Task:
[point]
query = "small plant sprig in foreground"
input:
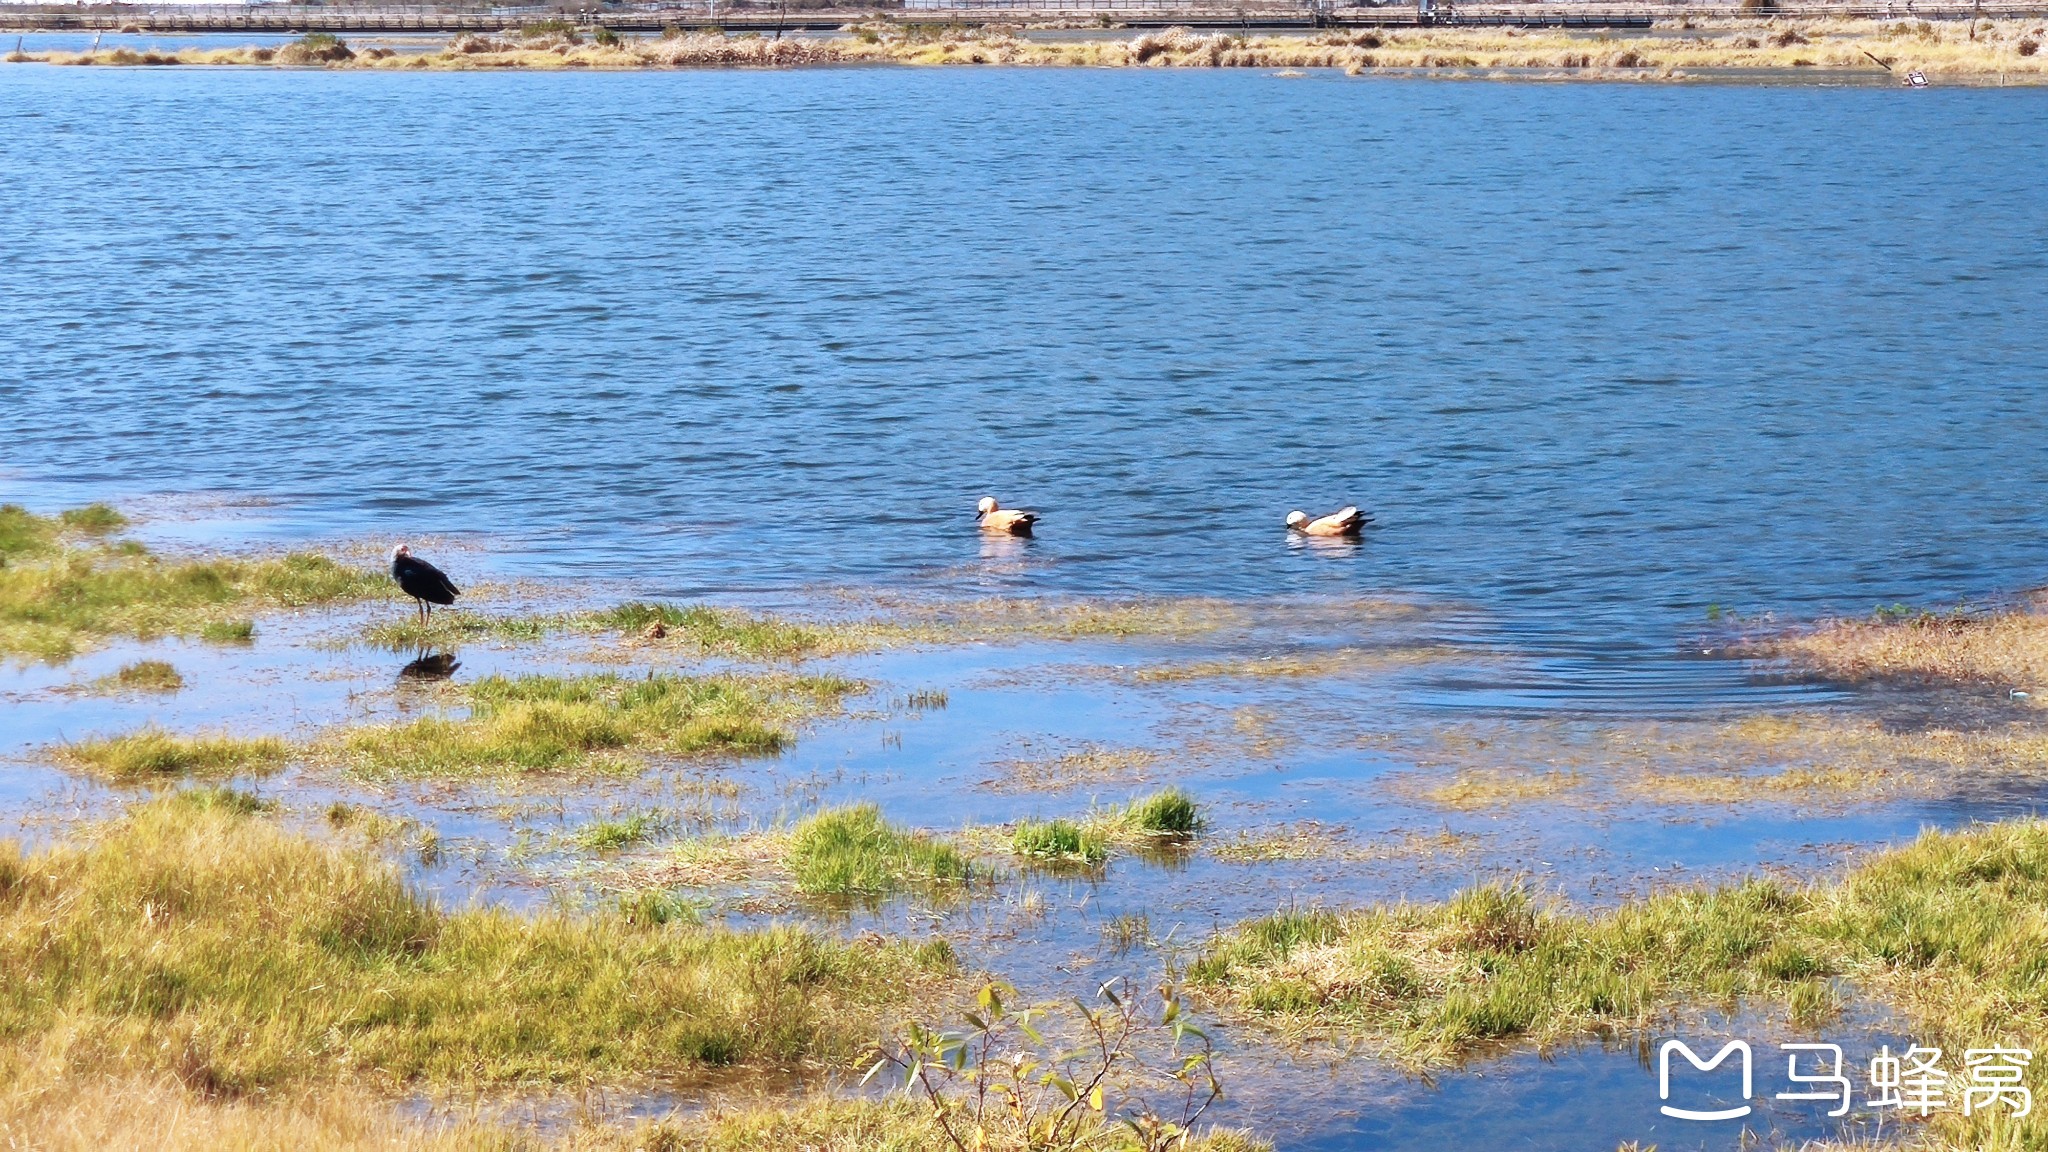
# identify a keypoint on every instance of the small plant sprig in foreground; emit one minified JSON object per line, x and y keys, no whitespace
{"x":1002,"y":1082}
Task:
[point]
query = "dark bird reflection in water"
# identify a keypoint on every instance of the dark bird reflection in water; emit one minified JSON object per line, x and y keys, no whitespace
{"x":429,"y":666}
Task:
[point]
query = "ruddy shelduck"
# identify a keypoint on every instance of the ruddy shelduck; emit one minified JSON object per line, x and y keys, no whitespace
{"x":1011,"y":521}
{"x":1343,"y":522}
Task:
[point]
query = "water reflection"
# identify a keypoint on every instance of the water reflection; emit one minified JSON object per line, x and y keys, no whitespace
{"x":428,"y":667}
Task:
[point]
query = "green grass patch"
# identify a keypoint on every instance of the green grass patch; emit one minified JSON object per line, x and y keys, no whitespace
{"x":228,"y":632}
{"x":96,"y":519}
{"x":1061,"y":840}
{"x":452,"y":626}
{"x":729,"y":632}
{"x":64,"y":586}
{"x":1169,"y":812}
{"x":142,"y":676}
{"x":550,"y":723}
{"x":610,"y":835}
{"x":1949,"y":930}
{"x":153,"y":754}
{"x":852,"y":851}
{"x":217,"y":946}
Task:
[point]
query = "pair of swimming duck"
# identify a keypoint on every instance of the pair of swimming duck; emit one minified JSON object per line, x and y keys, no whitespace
{"x":1016,"y":522}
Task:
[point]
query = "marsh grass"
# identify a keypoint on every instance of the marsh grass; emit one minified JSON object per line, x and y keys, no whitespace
{"x":1170,"y":813}
{"x":596,"y":723}
{"x":1947,"y":929}
{"x":852,"y":851}
{"x":710,"y":860}
{"x":745,"y":635}
{"x":1167,"y":816}
{"x":2004,"y":648}
{"x":218,"y":947}
{"x":142,"y":676}
{"x":228,"y":632}
{"x":95,"y":519}
{"x":65,"y":586}
{"x":153,"y":754}
{"x":450,"y":627}
{"x":1061,"y":841}
{"x":611,"y":835}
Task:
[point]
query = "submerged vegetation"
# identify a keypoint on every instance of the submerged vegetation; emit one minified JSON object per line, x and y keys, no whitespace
{"x":152,"y":754}
{"x":209,"y":944}
{"x":550,"y":723}
{"x":1803,"y":758}
{"x":65,"y":585}
{"x":1959,"y":49}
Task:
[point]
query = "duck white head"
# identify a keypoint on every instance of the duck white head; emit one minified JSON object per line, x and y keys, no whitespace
{"x":1296,"y":518}
{"x":987,"y":505}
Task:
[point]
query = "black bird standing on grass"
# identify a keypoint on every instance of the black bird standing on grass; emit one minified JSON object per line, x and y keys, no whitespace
{"x":421,"y":581}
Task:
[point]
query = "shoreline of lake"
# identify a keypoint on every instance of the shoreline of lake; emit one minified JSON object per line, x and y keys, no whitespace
{"x":1982,"y":52}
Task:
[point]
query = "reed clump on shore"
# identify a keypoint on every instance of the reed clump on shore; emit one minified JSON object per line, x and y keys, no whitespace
{"x":67,"y":582}
{"x":213,"y":945}
{"x":1946,"y":930}
{"x":1965,"y":50}
{"x":600,"y":722}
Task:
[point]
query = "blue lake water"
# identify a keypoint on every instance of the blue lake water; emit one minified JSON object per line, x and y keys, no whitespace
{"x":1598,"y":355}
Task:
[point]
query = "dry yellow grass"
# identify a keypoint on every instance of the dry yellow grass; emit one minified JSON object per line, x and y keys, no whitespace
{"x":2009,"y":648}
{"x":197,"y":938}
{"x":50,"y":1103}
{"x":1953,"y":50}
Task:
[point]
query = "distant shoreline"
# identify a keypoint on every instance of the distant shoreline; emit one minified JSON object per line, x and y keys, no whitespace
{"x":1972,"y":52}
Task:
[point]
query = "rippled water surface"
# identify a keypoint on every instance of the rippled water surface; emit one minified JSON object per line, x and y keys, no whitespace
{"x":1598,"y":355}
{"x":1601,"y":357}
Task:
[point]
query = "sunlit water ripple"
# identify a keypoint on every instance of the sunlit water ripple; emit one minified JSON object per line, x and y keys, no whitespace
{"x":1600,"y":356}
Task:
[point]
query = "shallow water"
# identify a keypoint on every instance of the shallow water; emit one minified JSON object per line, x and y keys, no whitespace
{"x":1600,"y":356}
